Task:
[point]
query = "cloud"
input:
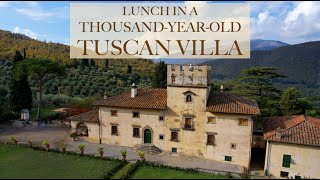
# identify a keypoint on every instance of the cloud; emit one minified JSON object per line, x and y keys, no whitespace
{"x":12,"y":3}
{"x":35,"y":10}
{"x":4,"y":3}
{"x":38,"y":13}
{"x":291,"y":22}
{"x":29,"y":33}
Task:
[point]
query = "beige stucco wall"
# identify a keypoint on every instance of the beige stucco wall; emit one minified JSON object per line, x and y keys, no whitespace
{"x":305,"y":160}
{"x":125,"y":121}
{"x":228,"y":132}
{"x":194,"y":142}
{"x":93,"y":131}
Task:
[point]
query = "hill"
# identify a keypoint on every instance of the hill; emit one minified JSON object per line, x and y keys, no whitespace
{"x":11,"y":42}
{"x":300,"y":63}
{"x":85,"y":78}
{"x":261,"y":44}
{"x":255,"y":44}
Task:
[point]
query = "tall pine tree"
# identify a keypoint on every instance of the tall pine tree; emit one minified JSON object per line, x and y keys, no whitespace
{"x":20,"y":91}
{"x":257,"y":83}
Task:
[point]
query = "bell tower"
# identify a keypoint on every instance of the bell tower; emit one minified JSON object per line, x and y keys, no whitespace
{"x":188,"y":75}
{"x":187,"y":94}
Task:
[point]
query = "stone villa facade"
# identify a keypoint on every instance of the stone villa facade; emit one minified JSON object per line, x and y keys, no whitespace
{"x":293,"y":147}
{"x":184,"y":118}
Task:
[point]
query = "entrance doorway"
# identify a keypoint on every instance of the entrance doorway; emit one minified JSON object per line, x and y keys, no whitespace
{"x":147,"y":136}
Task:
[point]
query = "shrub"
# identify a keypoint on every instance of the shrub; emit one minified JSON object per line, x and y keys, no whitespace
{"x":100,"y":150}
{"x":141,"y":155}
{"x":123,"y":154}
{"x":14,"y":140}
{"x":74,"y":135}
{"x":7,"y":115}
{"x":64,"y":147}
{"x":81,"y":147}
{"x":46,"y":144}
{"x":30,"y":143}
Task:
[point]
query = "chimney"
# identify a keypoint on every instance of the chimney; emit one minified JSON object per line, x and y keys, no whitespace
{"x":134,"y":90}
{"x":190,"y":67}
{"x":278,"y":133}
{"x":221,"y":88}
{"x":105,"y":95}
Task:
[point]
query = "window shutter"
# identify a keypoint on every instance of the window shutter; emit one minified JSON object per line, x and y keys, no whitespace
{"x":286,"y":160}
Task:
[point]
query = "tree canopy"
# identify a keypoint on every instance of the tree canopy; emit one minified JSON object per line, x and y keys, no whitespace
{"x":42,"y":71}
{"x":160,"y":75}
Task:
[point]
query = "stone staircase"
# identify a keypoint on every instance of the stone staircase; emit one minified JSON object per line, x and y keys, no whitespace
{"x":149,"y":149}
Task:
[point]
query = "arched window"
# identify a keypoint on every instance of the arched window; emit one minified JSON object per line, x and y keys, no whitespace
{"x":188,"y":98}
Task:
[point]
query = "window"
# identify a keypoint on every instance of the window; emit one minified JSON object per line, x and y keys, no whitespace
{"x":161,"y":137}
{"x":188,"y":98}
{"x":174,"y":136}
{"x":161,"y":118}
{"x":297,"y":177}
{"x":181,"y":68}
{"x":172,"y":68}
{"x":135,"y":114}
{"x":212,"y":120}
{"x":243,"y":122}
{"x":228,"y":158}
{"x":173,"y":78}
{"x":174,"y":150}
{"x":210,"y":139}
{"x":136,"y":132}
{"x":114,"y":113}
{"x":114,"y":130}
{"x":188,"y":123}
{"x":284,"y":174}
{"x":233,"y":146}
{"x":286,"y":160}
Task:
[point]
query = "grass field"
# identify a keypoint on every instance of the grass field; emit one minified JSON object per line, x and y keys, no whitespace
{"x":45,"y":113}
{"x":21,"y":162}
{"x":150,"y":172}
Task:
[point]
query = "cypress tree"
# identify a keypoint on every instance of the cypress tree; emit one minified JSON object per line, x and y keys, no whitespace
{"x":24,"y":53}
{"x":129,"y":69}
{"x":160,"y":75}
{"x":20,"y":91}
{"x":106,"y":65}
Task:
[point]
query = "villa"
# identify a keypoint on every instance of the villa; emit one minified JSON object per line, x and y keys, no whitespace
{"x":185,"y":118}
{"x":293,"y":147}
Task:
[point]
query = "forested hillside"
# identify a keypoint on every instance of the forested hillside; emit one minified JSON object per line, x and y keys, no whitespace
{"x":299,"y":63}
{"x":84,"y":78}
{"x":11,"y":42}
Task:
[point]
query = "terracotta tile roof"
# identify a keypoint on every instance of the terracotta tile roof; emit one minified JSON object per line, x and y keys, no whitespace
{"x":220,"y":102}
{"x":293,"y":129}
{"x":145,"y":99}
{"x":91,"y":116}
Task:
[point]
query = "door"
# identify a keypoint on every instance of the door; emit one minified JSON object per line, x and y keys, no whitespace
{"x":147,"y":136}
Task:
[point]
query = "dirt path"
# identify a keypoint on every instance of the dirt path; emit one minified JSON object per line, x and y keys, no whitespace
{"x":54,"y":133}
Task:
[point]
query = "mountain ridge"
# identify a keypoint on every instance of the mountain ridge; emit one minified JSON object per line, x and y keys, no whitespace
{"x":299,"y":62}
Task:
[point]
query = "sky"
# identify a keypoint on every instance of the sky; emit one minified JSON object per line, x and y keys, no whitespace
{"x":290,"y":22}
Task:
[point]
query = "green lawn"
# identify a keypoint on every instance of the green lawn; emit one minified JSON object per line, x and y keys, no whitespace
{"x":45,"y":113}
{"x":122,"y":171}
{"x":149,"y":172}
{"x":22,"y":162}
